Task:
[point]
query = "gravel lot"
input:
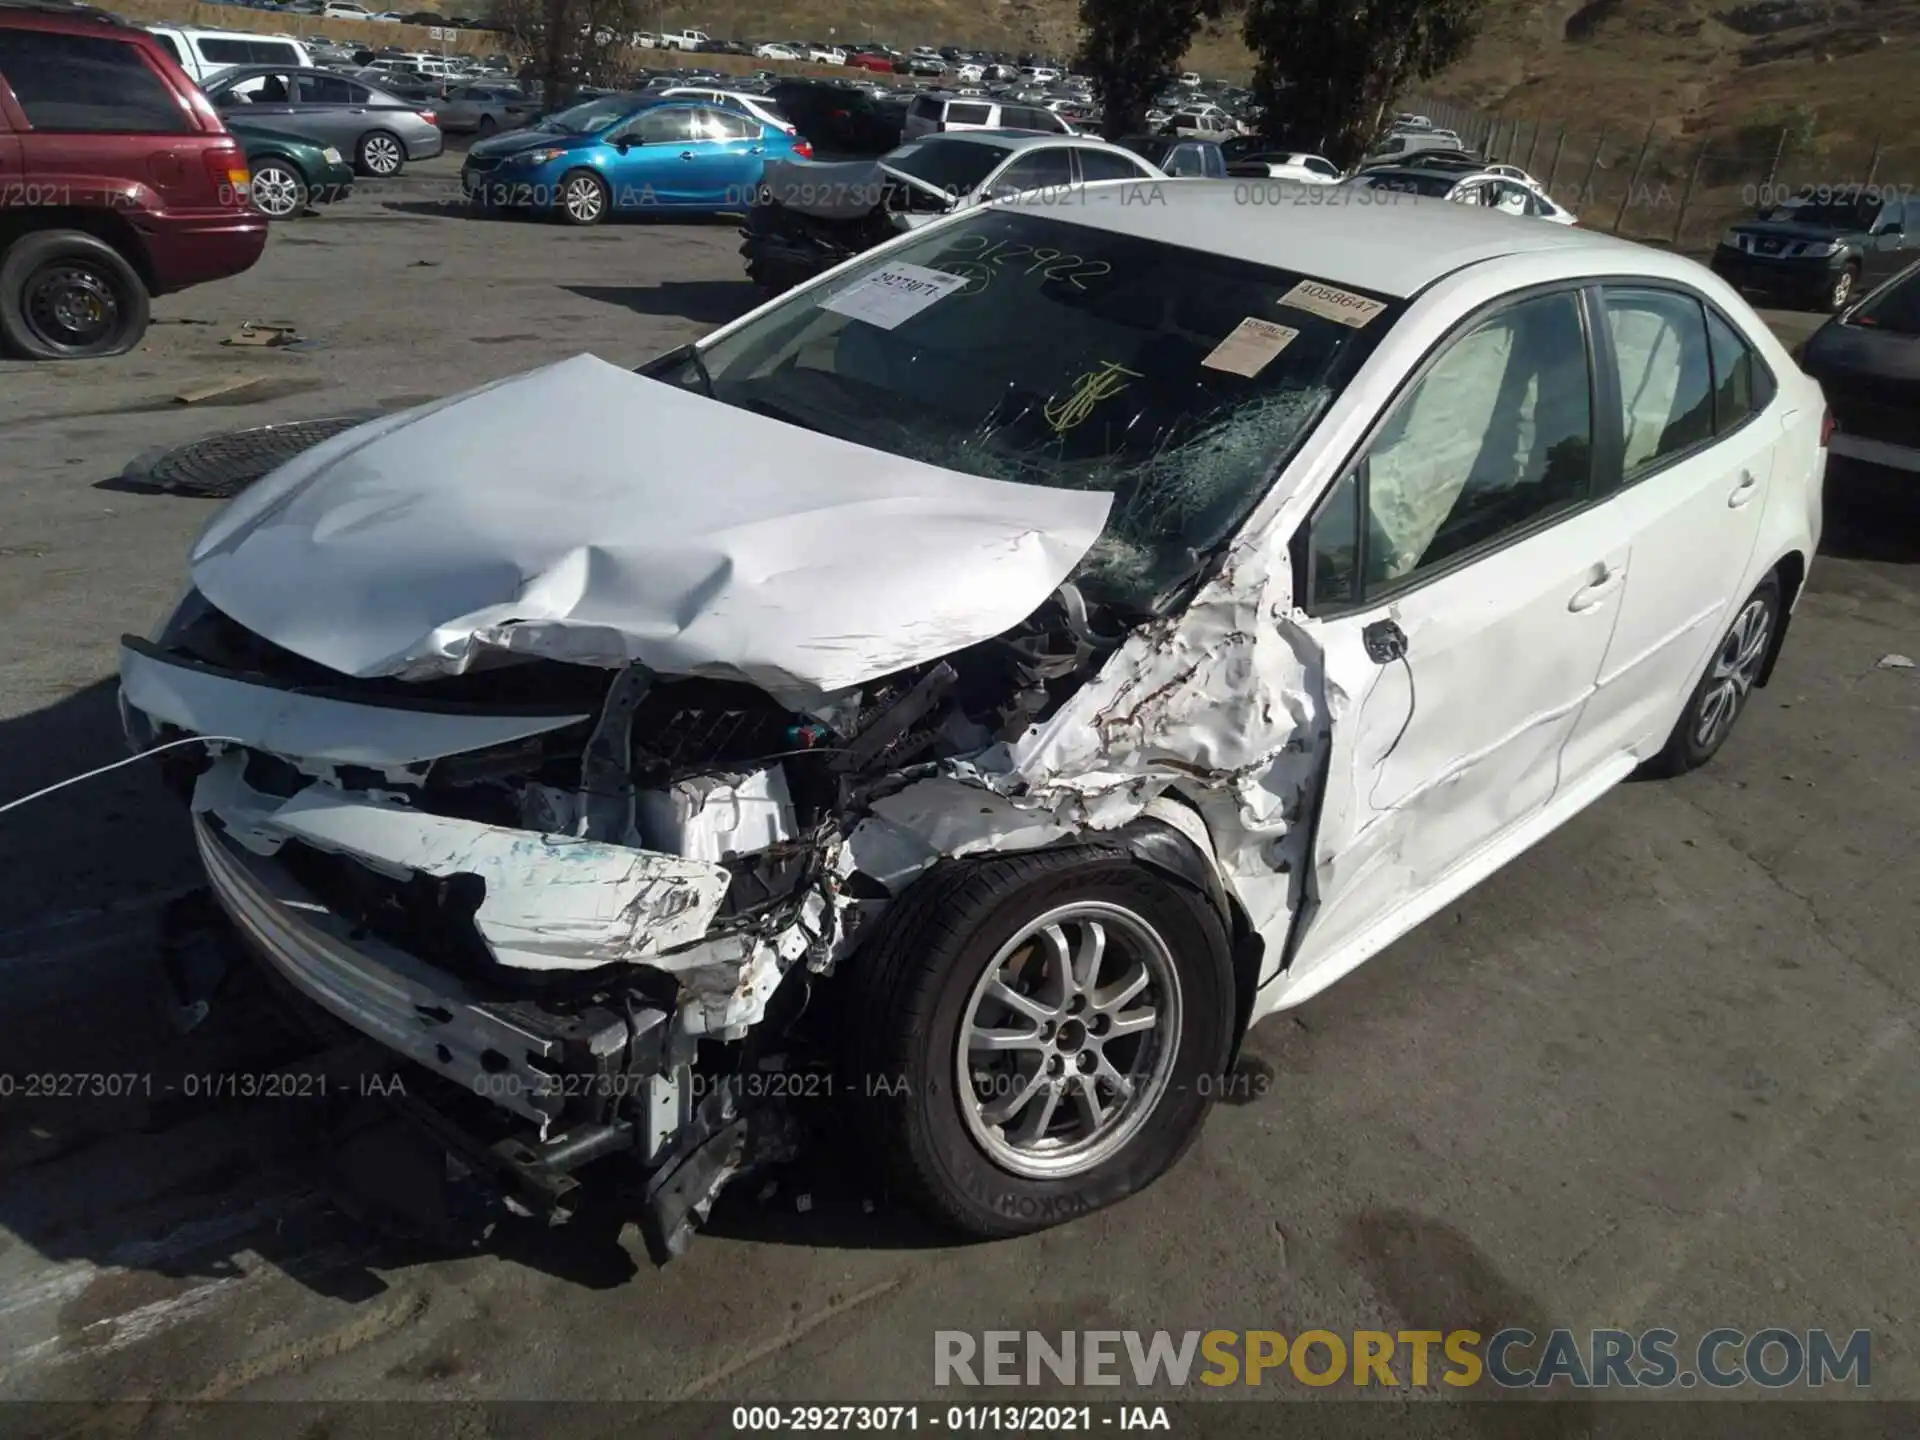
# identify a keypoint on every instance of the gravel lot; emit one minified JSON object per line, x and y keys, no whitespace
{"x":1661,"y":1071}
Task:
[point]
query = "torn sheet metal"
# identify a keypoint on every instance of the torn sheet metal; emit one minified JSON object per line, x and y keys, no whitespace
{"x":552,"y":902}
{"x":712,"y":817}
{"x":313,"y":727}
{"x":826,"y":190}
{"x":667,"y":529}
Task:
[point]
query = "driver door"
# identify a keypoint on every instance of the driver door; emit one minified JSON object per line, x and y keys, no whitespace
{"x":1888,"y":248}
{"x":1462,"y":582}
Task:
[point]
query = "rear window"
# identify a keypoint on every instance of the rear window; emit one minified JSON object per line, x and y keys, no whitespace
{"x":1896,"y":309}
{"x":925,"y":109}
{"x":247,"y":52}
{"x":88,"y":84}
{"x":955,"y":166}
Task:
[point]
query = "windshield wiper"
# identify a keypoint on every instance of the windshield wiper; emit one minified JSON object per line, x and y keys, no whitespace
{"x":684,"y":355}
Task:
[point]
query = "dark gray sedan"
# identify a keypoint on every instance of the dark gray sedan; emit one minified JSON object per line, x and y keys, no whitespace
{"x":380,"y":132}
{"x":484,"y":108}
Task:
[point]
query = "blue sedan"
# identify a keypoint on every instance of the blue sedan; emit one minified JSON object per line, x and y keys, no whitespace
{"x":628,"y":154}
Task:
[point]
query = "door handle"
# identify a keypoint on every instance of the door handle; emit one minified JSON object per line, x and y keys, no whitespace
{"x":1745,"y":492}
{"x":1605,"y":581}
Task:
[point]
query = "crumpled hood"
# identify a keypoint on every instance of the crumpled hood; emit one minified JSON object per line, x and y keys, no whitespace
{"x":581,"y":512}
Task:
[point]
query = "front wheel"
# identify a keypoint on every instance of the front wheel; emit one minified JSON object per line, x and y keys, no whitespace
{"x":1841,"y":295}
{"x":1037,"y":1036}
{"x":68,"y":295}
{"x":1720,"y":697}
{"x":279,"y":191}
{"x":583,"y":198}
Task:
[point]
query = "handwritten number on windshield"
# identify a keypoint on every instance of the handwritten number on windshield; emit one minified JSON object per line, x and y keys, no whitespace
{"x":981,"y":257}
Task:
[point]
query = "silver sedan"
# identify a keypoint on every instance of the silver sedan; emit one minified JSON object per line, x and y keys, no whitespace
{"x":379,"y":132}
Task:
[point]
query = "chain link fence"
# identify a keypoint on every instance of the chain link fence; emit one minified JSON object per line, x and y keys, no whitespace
{"x":1643,"y":183}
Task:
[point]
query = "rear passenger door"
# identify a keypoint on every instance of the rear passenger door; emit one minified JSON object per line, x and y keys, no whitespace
{"x":81,"y":96}
{"x":1697,"y":429}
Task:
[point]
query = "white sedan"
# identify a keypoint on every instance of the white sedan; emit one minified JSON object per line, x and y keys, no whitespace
{"x":1482,"y":189}
{"x":776,"y":51}
{"x":1300,"y":165}
{"x":995,"y":673}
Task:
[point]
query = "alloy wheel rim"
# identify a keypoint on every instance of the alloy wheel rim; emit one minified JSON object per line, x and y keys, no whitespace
{"x":583,"y":199}
{"x":1067,"y":1042}
{"x":275,"y":192}
{"x":70,"y":305}
{"x":383,"y":156}
{"x":1735,"y":665}
{"x":1842,"y":288}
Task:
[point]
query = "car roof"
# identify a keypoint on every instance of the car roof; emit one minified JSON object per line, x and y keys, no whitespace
{"x":1396,"y":249}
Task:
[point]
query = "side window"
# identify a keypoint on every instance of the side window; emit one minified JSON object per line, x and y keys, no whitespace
{"x":1741,"y":385}
{"x":1666,"y":380}
{"x":725,"y":125}
{"x":1891,"y":216}
{"x":172,"y":49}
{"x":229,"y":52}
{"x":1213,"y":163}
{"x":1105,"y":165}
{"x":1322,"y":167}
{"x":1037,"y":170}
{"x":88,"y":84}
{"x":969,"y":114}
{"x":322,"y":90}
{"x":358,"y":94}
{"x":1495,"y":436}
{"x":663,"y":127}
{"x":925,"y":109}
{"x":271,"y":52}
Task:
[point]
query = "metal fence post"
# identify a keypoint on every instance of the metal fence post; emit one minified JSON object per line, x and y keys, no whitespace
{"x":1533,"y":146}
{"x":1873,"y":165}
{"x":1686,"y":195}
{"x":1779,"y":151}
{"x":1633,"y":180}
{"x":1585,"y":192}
{"x":1553,"y":171}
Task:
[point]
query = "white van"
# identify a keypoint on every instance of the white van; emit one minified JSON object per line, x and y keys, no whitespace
{"x":205,"y":53}
{"x":937,"y":111}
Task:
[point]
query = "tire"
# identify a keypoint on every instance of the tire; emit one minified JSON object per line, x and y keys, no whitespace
{"x":1845,"y":286}
{"x":1715,"y":705}
{"x":582,"y":199}
{"x":68,"y":295}
{"x":380,"y":154}
{"x":924,"y":983}
{"x":279,"y":189}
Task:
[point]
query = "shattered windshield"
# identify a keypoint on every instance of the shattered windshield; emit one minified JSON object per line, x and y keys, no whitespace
{"x":1019,"y":347}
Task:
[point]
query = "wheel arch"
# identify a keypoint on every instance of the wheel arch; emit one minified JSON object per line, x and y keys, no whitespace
{"x":104,"y":225}
{"x":1791,"y":571}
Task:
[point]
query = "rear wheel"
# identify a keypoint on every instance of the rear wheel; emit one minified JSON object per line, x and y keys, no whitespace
{"x":1035,"y":1036}
{"x":380,"y":154}
{"x":1720,"y":697}
{"x":68,"y":295}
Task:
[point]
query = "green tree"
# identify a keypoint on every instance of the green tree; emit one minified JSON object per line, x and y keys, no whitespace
{"x":1131,"y":50}
{"x":1326,"y":71}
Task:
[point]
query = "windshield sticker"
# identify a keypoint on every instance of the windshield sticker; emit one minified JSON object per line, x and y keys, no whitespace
{"x":893,"y":294}
{"x":1089,"y":391}
{"x":1251,"y":347}
{"x":1331,"y":303}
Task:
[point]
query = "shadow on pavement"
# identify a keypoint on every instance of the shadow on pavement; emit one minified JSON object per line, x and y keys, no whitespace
{"x":705,"y":302}
{"x":1872,"y":513}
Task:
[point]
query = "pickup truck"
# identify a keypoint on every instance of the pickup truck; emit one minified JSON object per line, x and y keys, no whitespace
{"x":683,"y":39}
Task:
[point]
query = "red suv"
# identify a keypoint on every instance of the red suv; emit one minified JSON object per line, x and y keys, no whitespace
{"x":118,"y":182}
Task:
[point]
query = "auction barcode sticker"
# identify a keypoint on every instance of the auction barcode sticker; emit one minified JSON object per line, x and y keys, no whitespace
{"x":893,"y":294}
{"x":1331,"y":303}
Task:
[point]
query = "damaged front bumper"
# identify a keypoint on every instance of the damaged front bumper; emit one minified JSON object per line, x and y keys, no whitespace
{"x":570,"y":999}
